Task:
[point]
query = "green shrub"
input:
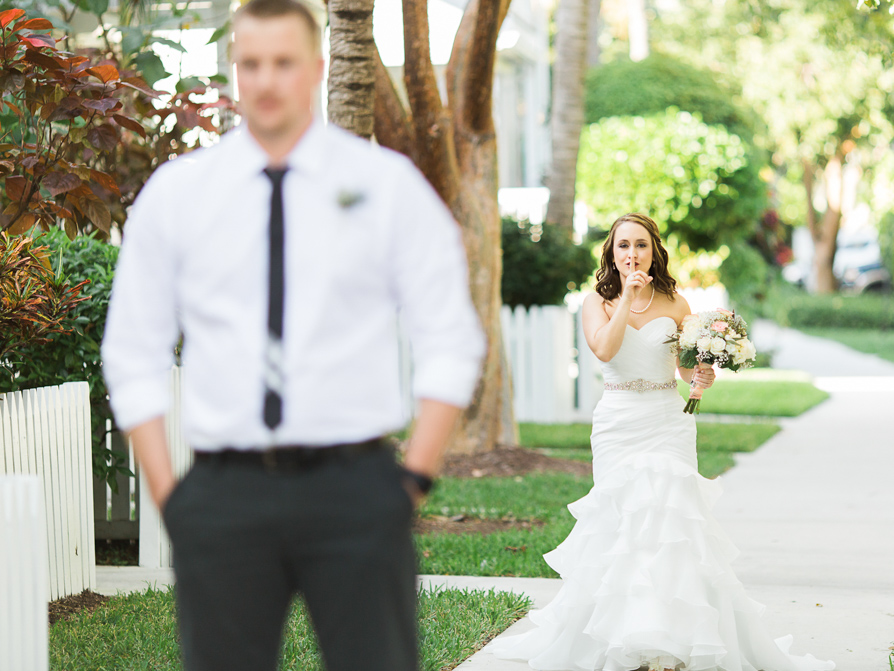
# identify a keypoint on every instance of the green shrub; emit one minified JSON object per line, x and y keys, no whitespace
{"x":746,"y":276}
{"x":801,"y":310}
{"x":625,"y":88}
{"x":696,"y":180}
{"x":886,"y":241}
{"x":541,"y":264}
{"x":75,"y":355}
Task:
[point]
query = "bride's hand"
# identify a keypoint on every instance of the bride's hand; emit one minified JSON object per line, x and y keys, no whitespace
{"x":635,"y":283}
{"x":703,"y":376}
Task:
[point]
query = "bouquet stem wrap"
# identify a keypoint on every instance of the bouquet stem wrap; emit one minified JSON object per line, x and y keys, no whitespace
{"x":695,"y":392}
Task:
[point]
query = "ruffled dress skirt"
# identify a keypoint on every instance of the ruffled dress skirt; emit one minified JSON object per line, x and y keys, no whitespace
{"x":646,"y":568}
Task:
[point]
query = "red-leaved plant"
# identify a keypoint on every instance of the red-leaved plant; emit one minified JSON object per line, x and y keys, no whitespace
{"x":64,"y":107}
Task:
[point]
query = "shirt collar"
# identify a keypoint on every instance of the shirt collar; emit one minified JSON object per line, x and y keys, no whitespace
{"x":306,"y":157}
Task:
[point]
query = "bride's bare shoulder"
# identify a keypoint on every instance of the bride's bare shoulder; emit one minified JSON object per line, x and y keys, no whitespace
{"x":595,"y":307}
{"x":680,"y":307}
{"x":595,"y":302}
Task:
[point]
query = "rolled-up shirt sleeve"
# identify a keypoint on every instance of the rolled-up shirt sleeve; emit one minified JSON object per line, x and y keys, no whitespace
{"x":142,"y":327}
{"x":431,"y":279}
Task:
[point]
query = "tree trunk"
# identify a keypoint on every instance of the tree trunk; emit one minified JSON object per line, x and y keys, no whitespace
{"x":352,"y":66}
{"x":823,"y":259}
{"x":637,"y":29}
{"x":469,"y":94}
{"x":456,"y":148}
{"x":824,"y":231}
{"x":572,"y":33}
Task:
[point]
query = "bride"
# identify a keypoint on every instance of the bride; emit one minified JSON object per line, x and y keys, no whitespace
{"x":645,"y":570}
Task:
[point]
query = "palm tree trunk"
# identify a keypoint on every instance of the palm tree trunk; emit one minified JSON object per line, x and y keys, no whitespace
{"x":352,"y":66}
{"x":569,"y":71}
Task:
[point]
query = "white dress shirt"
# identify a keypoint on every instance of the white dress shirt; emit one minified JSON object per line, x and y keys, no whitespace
{"x":366,"y":236}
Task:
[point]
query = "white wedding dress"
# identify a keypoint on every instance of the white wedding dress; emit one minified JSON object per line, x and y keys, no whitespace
{"x":646,"y":567}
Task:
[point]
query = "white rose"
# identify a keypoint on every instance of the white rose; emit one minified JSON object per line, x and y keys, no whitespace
{"x":704,"y":344}
{"x":744,"y":352}
{"x":686,"y":342}
{"x":731,"y":347}
{"x":691,"y":328}
{"x":718,"y":346}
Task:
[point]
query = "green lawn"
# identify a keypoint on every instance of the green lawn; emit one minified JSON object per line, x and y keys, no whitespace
{"x":880,"y":343}
{"x":554,"y":435}
{"x":138,"y":631}
{"x":744,"y":396}
{"x":541,"y":496}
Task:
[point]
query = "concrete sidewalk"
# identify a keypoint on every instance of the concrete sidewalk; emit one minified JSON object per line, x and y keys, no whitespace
{"x":812,"y":512}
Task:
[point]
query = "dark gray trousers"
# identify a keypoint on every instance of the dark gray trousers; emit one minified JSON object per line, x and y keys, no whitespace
{"x":247,"y":540}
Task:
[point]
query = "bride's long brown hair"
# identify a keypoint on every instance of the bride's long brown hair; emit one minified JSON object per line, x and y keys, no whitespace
{"x":608,"y":279}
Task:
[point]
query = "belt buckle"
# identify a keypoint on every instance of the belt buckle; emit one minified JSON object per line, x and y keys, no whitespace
{"x":268,"y":459}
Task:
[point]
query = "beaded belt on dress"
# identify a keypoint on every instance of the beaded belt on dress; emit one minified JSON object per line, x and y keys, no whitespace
{"x":640,"y":386}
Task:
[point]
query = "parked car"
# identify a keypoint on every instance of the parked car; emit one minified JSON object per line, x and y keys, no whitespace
{"x":862,"y":279}
{"x":858,"y":264}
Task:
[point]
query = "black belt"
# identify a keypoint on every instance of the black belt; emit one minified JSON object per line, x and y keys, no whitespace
{"x":291,"y":457}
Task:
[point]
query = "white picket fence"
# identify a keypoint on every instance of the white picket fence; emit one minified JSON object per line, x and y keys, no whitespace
{"x":555,"y":377}
{"x":24,"y":574}
{"x":155,"y":545}
{"x":46,"y":432}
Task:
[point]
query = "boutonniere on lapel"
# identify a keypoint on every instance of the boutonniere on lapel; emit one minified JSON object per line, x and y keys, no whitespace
{"x":348,"y":198}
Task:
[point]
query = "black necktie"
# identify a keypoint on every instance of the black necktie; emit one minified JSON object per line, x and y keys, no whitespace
{"x":273,"y":364}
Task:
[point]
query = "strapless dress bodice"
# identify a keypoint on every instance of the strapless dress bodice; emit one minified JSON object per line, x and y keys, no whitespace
{"x":644,"y":355}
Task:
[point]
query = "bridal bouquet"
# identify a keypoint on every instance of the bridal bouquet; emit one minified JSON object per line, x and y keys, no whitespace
{"x":713,"y":337}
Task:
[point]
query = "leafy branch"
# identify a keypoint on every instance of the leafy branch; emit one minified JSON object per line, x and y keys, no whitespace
{"x":65,"y":106}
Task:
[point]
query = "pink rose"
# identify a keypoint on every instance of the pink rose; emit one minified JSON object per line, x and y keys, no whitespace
{"x":720,"y":327}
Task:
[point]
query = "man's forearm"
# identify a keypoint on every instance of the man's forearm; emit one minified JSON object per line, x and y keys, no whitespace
{"x":150,"y":448}
{"x":432,"y":430}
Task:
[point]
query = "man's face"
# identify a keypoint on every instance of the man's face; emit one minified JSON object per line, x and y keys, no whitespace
{"x":278,"y":70}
